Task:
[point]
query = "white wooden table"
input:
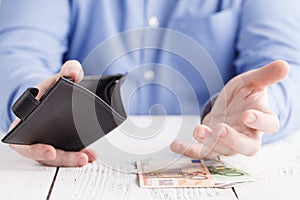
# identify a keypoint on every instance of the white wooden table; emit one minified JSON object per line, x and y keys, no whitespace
{"x":276,"y":169}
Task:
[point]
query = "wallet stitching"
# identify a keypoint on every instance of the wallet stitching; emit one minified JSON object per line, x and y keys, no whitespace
{"x":49,"y":96}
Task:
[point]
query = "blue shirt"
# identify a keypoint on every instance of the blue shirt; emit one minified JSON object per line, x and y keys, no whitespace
{"x":37,"y":36}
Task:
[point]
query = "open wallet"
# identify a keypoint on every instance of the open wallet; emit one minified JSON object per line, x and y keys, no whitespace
{"x":69,"y":116}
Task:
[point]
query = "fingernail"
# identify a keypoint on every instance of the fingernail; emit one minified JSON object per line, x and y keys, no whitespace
{"x":81,"y":161}
{"x":222,"y":132}
{"x":48,"y":155}
{"x":251,"y":119}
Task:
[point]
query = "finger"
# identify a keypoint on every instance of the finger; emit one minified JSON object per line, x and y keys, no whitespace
{"x":212,"y":155}
{"x":45,"y":85}
{"x":201,"y":131}
{"x":91,"y":154}
{"x":35,"y":151}
{"x":192,"y":150}
{"x":267,"y":75}
{"x":204,"y":135}
{"x":264,"y":122}
{"x":73,"y":69}
{"x":67,"y":159}
{"x":14,"y":123}
{"x":238,"y":142}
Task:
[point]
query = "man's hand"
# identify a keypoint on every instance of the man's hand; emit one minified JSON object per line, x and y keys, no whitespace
{"x":239,"y":117}
{"x":46,"y":154}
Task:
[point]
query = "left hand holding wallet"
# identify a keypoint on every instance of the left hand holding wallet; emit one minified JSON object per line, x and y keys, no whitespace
{"x":46,"y":153}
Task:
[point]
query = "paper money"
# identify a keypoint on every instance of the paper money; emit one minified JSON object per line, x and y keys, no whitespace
{"x":224,"y":175}
{"x":179,"y":174}
{"x":190,"y":173}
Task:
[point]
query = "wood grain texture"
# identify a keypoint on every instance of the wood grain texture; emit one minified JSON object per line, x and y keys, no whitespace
{"x":96,"y":181}
{"x":21,"y":178}
{"x":276,"y":169}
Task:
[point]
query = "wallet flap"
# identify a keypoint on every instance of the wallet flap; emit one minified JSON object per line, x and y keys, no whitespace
{"x":26,"y":103}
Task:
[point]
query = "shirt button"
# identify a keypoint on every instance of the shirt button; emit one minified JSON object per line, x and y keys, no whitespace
{"x":153,"y":21}
{"x":149,"y":75}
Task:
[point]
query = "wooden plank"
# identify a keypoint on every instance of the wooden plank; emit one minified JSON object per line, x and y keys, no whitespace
{"x":96,"y":181}
{"x":22,"y":178}
{"x":276,"y":169}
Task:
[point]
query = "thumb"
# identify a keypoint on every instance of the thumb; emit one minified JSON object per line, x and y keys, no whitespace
{"x":72,"y":69}
{"x":267,"y":75}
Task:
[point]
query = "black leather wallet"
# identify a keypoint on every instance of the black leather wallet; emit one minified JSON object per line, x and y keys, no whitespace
{"x":69,"y":116}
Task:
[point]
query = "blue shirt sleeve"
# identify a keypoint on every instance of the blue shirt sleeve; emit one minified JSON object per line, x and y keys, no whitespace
{"x":31,"y":46}
{"x":35,"y":35}
{"x":270,"y":30}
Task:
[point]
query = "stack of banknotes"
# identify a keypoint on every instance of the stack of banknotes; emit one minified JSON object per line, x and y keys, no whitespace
{"x":190,"y":173}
